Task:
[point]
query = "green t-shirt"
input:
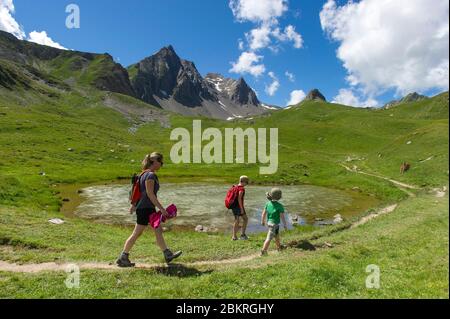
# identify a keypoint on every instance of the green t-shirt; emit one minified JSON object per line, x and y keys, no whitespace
{"x":274,"y":210}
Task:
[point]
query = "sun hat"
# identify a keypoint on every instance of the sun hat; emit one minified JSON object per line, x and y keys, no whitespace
{"x":274,"y":195}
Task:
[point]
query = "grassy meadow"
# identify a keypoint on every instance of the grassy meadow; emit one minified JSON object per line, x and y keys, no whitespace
{"x":75,"y":137}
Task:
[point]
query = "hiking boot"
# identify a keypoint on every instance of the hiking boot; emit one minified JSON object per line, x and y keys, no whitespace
{"x":234,"y":238}
{"x":263,"y":253}
{"x":243,"y":237}
{"x":169,"y":256}
{"x":282,"y":247}
{"x":124,"y":261}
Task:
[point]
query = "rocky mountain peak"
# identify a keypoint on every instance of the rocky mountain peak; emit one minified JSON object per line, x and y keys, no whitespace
{"x":411,"y":97}
{"x":213,"y":76}
{"x":164,"y":75}
{"x":315,"y":95}
{"x":237,"y":91}
{"x":175,"y":84}
{"x":167,"y":53}
{"x":169,"y":48}
{"x":243,"y":94}
{"x":163,"y":60}
{"x":241,"y":81}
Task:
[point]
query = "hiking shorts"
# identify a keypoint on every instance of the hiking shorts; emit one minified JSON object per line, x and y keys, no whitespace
{"x":274,"y":231}
{"x":143,"y":215}
{"x":236,"y":211}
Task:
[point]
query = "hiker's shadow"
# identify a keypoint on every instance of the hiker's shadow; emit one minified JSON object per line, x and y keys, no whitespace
{"x":181,"y":271}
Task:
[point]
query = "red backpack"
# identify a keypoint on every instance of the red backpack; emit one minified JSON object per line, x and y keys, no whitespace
{"x":232,"y":195}
{"x":135,"y":194}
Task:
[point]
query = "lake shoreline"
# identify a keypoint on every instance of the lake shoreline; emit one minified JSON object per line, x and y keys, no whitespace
{"x":72,"y":197}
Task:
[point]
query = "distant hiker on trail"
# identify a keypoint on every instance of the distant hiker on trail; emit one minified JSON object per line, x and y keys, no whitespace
{"x":273,"y":211}
{"x":235,"y":201}
{"x":147,"y":188}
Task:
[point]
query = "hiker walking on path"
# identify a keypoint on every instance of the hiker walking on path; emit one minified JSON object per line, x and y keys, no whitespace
{"x":274,"y":212}
{"x":235,"y":202}
{"x":145,"y":207}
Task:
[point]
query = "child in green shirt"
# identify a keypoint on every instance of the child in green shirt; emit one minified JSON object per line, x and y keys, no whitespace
{"x":274,"y":212}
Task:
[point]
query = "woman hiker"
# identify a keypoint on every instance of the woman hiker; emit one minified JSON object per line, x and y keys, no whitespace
{"x":149,"y":187}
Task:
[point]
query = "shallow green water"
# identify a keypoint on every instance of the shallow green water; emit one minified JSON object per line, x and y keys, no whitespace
{"x":203,"y":204}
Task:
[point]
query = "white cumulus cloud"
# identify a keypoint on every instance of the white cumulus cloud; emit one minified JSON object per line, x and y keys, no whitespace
{"x":289,"y":34}
{"x":263,"y":36}
{"x":349,"y":98}
{"x":7,"y":21}
{"x":259,"y":38}
{"x":248,"y":62}
{"x":10,"y":25}
{"x":391,"y":44}
{"x":274,"y":86}
{"x":266,"y":33}
{"x":296,"y":97}
{"x":44,"y":39}
{"x":258,"y":10}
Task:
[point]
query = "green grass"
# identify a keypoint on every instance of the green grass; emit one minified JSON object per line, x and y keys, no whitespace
{"x":37,"y":130}
{"x":73,"y":241}
{"x":410,"y":249}
{"x":132,"y":71}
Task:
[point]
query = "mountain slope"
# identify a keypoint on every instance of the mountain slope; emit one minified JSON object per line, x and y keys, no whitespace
{"x":71,"y":67}
{"x":412,"y":97}
{"x":162,"y":79}
{"x":175,"y":84}
{"x":424,"y":108}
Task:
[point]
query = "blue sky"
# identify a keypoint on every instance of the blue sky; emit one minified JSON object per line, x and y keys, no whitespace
{"x":207,"y":32}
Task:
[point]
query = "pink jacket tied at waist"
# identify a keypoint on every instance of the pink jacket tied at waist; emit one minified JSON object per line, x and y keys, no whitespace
{"x":157,"y":218}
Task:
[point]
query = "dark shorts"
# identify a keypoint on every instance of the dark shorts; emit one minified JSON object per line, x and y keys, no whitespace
{"x":143,"y":216}
{"x":236,"y":211}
